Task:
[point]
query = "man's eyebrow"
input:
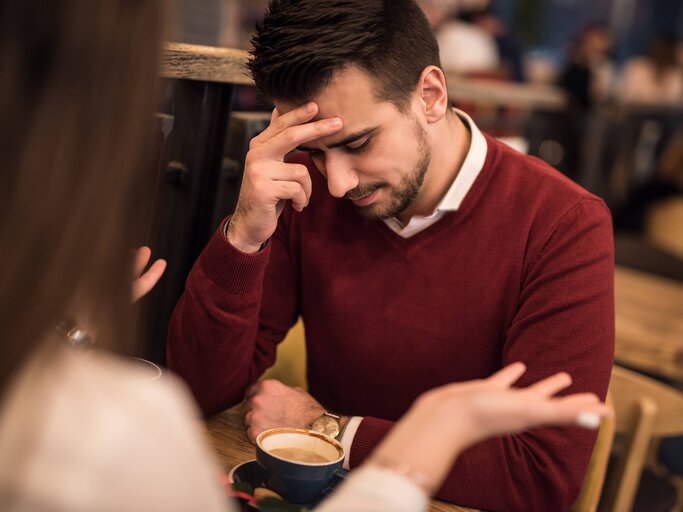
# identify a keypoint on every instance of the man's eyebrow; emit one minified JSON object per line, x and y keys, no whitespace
{"x":346,"y":140}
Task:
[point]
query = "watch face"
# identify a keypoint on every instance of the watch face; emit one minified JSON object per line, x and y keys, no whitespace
{"x":326,"y":425}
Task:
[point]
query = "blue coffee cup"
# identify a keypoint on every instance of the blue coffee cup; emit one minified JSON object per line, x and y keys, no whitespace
{"x":298,"y":464}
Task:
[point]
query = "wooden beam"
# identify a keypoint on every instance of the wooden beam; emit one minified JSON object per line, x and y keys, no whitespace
{"x":206,"y":63}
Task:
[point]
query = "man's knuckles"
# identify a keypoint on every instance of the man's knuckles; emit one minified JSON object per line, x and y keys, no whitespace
{"x":269,"y":385}
{"x":258,"y":401}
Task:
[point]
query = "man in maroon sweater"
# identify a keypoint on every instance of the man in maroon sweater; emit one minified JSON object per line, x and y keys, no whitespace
{"x":417,"y":250}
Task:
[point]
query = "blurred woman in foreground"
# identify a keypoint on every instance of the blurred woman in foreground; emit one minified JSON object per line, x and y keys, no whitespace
{"x":82,"y":429}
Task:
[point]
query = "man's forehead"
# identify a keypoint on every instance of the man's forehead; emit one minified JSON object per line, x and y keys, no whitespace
{"x":349,"y":93}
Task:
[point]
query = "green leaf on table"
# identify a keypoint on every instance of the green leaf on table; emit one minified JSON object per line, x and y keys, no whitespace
{"x":244,"y":487}
{"x":276,"y":505}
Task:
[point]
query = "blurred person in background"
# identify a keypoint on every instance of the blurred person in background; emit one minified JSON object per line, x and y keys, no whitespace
{"x":587,"y":81}
{"x":465,"y":47}
{"x":589,"y":74}
{"x":508,"y":48}
{"x":654,"y":79}
{"x":84,"y":430}
{"x":664,"y":183}
{"x":472,"y":40}
{"x":437,"y":11}
{"x":653,"y":84}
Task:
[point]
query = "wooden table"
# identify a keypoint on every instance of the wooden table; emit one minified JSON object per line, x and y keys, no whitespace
{"x":226,"y":433}
{"x":649,"y":322}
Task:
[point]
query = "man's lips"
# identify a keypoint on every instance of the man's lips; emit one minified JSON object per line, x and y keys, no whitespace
{"x":366,"y":199}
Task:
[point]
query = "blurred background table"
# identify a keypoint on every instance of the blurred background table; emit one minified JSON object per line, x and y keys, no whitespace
{"x":230,"y":444}
{"x":505,"y":93}
{"x":649,"y":323}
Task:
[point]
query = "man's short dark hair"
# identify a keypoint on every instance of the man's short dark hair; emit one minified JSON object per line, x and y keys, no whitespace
{"x":301,"y":43}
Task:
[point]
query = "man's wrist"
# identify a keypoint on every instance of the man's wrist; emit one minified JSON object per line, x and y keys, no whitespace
{"x":343,"y":423}
{"x":233,"y":237}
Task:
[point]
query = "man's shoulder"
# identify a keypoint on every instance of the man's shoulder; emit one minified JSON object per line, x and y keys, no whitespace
{"x":532,"y":177}
{"x":537,"y":198}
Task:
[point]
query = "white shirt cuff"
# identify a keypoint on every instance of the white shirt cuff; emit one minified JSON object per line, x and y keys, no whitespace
{"x":347,"y":438}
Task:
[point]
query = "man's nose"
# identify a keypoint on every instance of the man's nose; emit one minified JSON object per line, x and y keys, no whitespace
{"x":341,"y":177}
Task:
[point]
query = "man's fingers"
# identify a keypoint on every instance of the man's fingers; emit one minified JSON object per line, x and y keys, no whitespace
{"x":248,"y":419}
{"x":297,"y":116}
{"x":279,"y":123}
{"x":295,"y":173}
{"x":293,"y":136}
{"x":252,"y":390}
{"x":294,"y":192}
{"x":252,"y":433}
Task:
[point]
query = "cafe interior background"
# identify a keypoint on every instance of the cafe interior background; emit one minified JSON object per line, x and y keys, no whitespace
{"x":593,"y":87}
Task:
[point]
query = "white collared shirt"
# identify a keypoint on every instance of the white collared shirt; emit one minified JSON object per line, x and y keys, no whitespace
{"x":470,"y":169}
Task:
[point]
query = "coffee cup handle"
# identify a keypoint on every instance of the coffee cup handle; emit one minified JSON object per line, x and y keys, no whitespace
{"x":341,"y":474}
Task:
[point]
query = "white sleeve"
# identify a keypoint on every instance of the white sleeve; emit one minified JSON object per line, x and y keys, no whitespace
{"x":162,"y":462}
{"x":108,"y":440}
{"x":347,"y":439}
{"x":376,"y":489}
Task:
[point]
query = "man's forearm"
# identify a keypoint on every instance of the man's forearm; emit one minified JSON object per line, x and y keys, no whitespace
{"x":213,"y":328}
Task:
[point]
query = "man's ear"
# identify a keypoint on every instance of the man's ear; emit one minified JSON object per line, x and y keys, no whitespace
{"x":432,"y":94}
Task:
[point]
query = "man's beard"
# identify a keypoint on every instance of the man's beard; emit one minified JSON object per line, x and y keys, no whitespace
{"x":401,"y":196}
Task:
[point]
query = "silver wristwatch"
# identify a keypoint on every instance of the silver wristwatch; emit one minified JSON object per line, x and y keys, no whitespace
{"x":327,"y":424}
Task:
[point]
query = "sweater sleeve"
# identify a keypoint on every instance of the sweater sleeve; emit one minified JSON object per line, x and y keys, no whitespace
{"x":224,"y":331}
{"x":564,"y":322}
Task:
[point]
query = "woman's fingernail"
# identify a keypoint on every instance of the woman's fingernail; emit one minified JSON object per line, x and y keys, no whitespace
{"x":335,"y":122}
{"x":588,"y":420}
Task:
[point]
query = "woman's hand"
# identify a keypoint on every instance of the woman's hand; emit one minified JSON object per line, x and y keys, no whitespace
{"x":144,"y":282}
{"x":444,"y":421}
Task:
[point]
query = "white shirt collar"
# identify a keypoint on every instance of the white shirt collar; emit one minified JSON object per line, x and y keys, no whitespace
{"x":470,"y":169}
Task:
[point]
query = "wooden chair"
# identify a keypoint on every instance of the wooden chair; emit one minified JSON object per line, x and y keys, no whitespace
{"x":645,"y":410}
{"x":664,"y":225}
{"x":597,"y":466}
{"x":290,"y":363}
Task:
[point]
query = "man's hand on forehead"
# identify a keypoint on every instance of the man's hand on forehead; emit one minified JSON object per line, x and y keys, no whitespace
{"x":295,"y":127}
{"x":269,"y":181}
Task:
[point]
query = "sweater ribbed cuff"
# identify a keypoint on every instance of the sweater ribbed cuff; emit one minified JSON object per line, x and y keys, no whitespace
{"x":231,"y":269}
{"x":370,"y":433}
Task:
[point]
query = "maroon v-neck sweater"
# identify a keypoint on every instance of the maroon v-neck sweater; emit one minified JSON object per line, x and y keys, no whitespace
{"x":523,"y":271}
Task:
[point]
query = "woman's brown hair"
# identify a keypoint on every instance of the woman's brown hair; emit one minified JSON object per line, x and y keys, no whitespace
{"x":77,"y":91}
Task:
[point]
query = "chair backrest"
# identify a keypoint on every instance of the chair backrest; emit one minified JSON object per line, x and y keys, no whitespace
{"x":664,"y":225}
{"x":644,"y":409}
{"x":290,"y":364}
{"x":597,"y":466}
